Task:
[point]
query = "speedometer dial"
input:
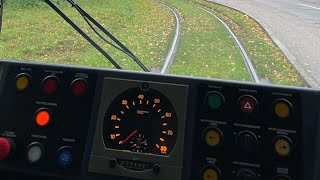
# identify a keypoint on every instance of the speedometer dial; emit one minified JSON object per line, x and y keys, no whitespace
{"x":142,"y":121}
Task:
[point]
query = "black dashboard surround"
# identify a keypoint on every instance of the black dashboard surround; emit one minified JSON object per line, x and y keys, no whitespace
{"x":51,"y":119}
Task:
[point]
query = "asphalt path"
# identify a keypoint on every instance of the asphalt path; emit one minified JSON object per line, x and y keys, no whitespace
{"x":308,"y":10}
{"x":296,"y":24}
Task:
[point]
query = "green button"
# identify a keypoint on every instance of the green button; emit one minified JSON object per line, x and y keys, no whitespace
{"x":214,"y":101}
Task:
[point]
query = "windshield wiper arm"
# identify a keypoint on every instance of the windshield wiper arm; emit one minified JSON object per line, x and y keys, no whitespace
{"x":83,"y":34}
{"x":1,"y":13}
{"x":106,"y":32}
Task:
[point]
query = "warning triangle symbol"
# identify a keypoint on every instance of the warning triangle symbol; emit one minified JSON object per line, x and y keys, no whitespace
{"x":247,"y":106}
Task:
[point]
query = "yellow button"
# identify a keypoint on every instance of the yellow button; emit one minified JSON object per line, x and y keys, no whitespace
{"x":212,"y":137}
{"x":282,"y":147}
{"x":210,"y":174}
{"x":282,"y":109}
{"x":22,"y":82}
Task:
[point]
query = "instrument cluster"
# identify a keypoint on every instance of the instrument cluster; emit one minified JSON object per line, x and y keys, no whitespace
{"x":68,"y":122}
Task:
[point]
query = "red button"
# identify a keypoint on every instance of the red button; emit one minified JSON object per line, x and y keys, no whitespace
{"x":42,"y":117}
{"x":50,"y":84}
{"x":5,"y":148}
{"x":78,"y":87}
{"x":248,"y":104}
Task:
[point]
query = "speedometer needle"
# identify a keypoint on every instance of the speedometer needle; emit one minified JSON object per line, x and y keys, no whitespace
{"x":126,"y":139}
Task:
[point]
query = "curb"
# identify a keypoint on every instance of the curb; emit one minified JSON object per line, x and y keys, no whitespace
{"x":305,"y":76}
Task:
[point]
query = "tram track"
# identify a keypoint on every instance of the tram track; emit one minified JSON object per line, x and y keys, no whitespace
{"x":247,"y":60}
{"x":173,"y":49}
{"x":171,"y":54}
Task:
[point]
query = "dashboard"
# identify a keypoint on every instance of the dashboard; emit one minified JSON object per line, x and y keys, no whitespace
{"x":70,"y":122}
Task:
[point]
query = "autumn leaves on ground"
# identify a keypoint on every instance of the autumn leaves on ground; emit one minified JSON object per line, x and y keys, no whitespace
{"x":33,"y":31}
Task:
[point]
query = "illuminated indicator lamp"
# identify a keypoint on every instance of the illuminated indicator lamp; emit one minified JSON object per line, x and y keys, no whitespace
{"x":248,"y":104}
{"x":78,"y":87}
{"x":34,"y":152}
{"x":213,"y":137}
{"x":65,"y":157}
{"x":6,"y":147}
{"x":22,"y":81}
{"x":210,"y":173}
{"x":214,"y":100}
{"x":42,"y":117}
{"x":282,"y":108}
{"x":50,"y":84}
{"x":283,"y":146}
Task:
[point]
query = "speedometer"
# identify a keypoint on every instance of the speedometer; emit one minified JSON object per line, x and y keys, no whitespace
{"x":142,"y":121}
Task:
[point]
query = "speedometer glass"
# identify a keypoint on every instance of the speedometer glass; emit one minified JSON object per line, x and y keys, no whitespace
{"x":142,"y":121}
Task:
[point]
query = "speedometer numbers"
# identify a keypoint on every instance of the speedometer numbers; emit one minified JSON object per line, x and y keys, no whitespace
{"x":140,"y":130}
{"x":142,"y":121}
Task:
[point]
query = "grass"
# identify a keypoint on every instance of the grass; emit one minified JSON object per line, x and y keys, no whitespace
{"x":206,"y":49}
{"x":268,"y":59}
{"x":33,"y":31}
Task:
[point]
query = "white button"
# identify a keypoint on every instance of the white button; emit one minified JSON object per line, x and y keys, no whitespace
{"x":34,"y":153}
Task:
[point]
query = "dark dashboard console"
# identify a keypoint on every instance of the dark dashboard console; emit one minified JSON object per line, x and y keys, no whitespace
{"x":67,"y":122}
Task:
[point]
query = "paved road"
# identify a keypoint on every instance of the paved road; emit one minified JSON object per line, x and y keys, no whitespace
{"x":295,"y":23}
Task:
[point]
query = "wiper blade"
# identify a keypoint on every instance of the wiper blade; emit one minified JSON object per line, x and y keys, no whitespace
{"x":122,"y":48}
{"x":83,"y":34}
{"x":1,"y":13}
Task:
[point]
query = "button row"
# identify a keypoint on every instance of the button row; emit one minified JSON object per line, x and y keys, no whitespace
{"x":282,"y":108}
{"x":35,"y":152}
{"x":213,"y":173}
{"x":247,"y":141}
{"x":50,"y":84}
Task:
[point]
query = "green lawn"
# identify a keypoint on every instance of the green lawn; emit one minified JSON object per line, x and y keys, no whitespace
{"x":33,"y":31}
{"x":267,"y":58}
{"x":206,"y":49}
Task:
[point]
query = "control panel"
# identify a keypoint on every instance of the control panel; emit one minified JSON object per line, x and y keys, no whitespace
{"x":68,"y":122}
{"x":253,"y":134}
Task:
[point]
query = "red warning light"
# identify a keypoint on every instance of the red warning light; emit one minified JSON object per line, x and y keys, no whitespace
{"x":5,"y":148}
{"x":42,"y":117}
{"x":50,"y":84}
{"x":78,"y":87}
{"x":248,"y":104}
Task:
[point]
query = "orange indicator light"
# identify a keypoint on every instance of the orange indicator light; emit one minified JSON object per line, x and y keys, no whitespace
{"x":42,"y":117}
{"x":282,"y":108}
{"x":161,"y":139}
{"x":163,"y":149}
{"x":22,"y":82}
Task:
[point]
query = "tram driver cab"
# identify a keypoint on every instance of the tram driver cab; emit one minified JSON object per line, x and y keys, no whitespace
{"x":65,"y":122}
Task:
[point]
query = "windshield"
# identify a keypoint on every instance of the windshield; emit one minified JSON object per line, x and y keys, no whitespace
{"x":261,"y":41}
